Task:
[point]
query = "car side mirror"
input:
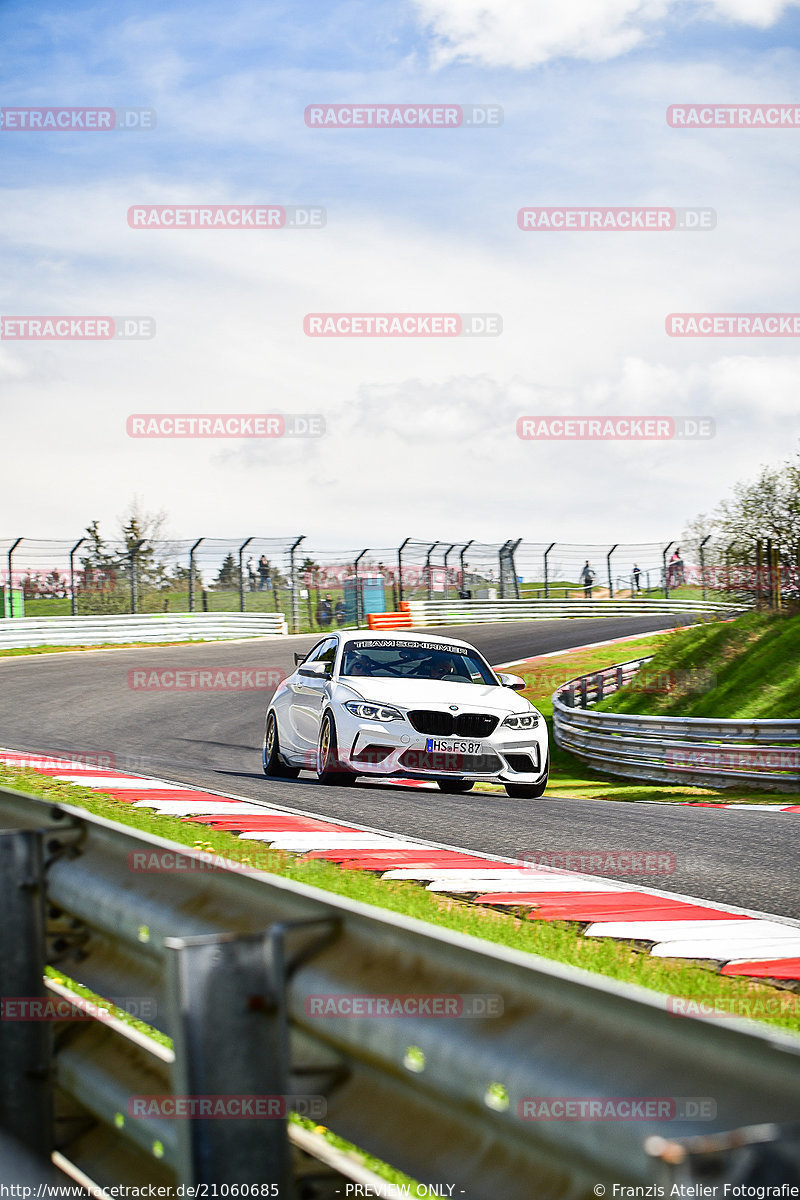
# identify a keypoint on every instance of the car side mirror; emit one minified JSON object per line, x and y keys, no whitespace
{"x":315,"y":670}
{"x":512,"y":681}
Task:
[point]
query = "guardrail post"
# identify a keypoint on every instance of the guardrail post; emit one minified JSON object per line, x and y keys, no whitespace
{"x":25,"y":1044}
{"x":73,"y":604}
{"x":227,"y":997}
{"x":598,"y":687}
{"x":191,"y":573}
{"x":546,"y":576}
{"x":584,"y":692}
{"x":608,"y":565}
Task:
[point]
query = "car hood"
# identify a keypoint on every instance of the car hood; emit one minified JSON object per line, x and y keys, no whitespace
{"x":433,"y":693}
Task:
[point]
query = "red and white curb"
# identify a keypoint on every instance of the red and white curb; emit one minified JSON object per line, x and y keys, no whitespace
{"x":744,"y":942}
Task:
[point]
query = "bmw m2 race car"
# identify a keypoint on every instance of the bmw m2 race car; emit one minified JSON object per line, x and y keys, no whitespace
{"x":408,"y":706}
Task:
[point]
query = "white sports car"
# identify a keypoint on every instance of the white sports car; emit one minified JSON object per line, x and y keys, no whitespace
{"x":411,"y":706}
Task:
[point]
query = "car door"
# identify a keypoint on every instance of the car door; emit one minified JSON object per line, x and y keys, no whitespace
{"x":309,"y":699}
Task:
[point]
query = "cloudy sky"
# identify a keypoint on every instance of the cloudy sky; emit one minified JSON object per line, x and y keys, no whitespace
{"x":421,"y":431}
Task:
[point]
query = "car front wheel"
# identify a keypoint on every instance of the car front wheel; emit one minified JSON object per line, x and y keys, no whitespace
{"x":329,"y":768}
{"x":455,"y":787}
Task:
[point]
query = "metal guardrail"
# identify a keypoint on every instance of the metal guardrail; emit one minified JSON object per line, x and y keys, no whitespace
{"x":232,"y":963}
{"x":712,"y":752}
{"x":145,"y":627}
{"x":463,"y":612}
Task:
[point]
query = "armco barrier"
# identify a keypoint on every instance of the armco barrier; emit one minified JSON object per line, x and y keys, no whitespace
{"x":690,"y":750}
{"x":464,"y":612}
{"x":144,"y":627}
{"x":231,"y":964}
{"x":389,"y":620}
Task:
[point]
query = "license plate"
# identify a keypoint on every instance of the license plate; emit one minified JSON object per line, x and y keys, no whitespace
{"x":452,"y":746}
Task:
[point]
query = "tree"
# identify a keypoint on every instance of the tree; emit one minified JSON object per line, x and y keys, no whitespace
{"x":228,"y":576}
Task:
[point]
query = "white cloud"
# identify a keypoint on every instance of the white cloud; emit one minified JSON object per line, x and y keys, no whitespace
{"x":526,"y":33}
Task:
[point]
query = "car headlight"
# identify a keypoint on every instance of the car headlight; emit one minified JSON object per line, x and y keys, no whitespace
{"x":373,"y":712}
{"x":522,"y":721}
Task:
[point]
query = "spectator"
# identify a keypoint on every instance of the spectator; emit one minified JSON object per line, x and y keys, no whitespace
{"x":587,"y":579}
{"x":637,"y":587}
{"x":325,"y":611}
{"x":263,"y":573}
{"x":251,"y":573}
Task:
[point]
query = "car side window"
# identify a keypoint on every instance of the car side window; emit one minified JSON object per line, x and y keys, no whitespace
{"x":327,"y":652}
{"x":317,"y":650}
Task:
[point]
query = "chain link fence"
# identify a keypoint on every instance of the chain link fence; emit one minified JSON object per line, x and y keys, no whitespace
{"x":316,"y":589}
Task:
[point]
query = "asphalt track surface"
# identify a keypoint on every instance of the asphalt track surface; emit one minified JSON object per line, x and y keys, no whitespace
{"x":75,"y":703}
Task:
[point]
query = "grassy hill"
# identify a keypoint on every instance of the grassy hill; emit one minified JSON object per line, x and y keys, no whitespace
{"x":749,"y":667}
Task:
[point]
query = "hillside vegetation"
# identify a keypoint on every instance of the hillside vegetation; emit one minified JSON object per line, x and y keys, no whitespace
{"x":749,"y":667}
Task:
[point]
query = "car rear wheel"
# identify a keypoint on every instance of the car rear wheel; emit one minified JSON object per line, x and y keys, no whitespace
{"x":329,"y":768}
{"x":271,"y":759}
{"x":455,"y":787}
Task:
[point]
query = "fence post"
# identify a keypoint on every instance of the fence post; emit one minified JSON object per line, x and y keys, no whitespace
{"x":293,"y":586}
{"x":400,"y":550}
{"x":359,"y":597}
{"x":461,"y":560}
{"x":608,"y":565}
{"x":666,"y":573}
{"x":73,"y":605}
{"x":10,"y":579}
{"x":546,"y":576}
{"x":446,"y":577}
{"x":133,"y":550}
{"x":701,"y":549}
{"x":428,"y":569}
{"x":191,"y":573}
{"x":242,"y":549}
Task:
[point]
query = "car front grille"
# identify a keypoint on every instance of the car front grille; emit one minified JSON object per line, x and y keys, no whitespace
{"x":441,"y":762}
{"x":442,"y":724}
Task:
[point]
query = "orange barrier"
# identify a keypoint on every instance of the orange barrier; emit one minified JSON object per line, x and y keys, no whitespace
{"x":391,"y":620}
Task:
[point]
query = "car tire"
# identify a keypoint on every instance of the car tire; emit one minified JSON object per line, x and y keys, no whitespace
{"x":271,"y":760}
{"x":329,"y":769}
{"x":526,"y":791}
{"x":455,"y":787}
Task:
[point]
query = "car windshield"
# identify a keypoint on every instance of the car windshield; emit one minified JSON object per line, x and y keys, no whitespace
{"x":414,"y":660}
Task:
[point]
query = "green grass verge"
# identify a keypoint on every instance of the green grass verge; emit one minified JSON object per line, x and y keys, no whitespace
{"x":752,"y":663}
{"x":569,"y":777}
{"x":17,"y":652}
{"x":558,"y":941}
